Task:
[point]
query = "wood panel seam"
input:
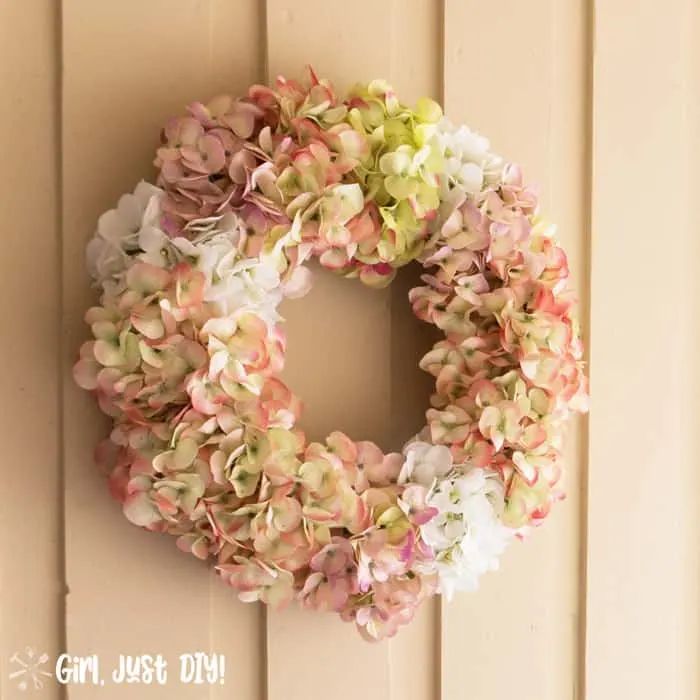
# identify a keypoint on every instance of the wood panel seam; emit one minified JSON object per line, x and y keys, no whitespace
{"x":63,"y":353}
{"x":438,"y":636}
{"x":584,"y":454}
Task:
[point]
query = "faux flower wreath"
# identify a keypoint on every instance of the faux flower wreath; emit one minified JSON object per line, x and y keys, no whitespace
{"x":188,"y":346}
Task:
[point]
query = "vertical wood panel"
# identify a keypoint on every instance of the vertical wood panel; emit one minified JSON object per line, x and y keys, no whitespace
{"x":319,"y":653}
{"x":360,"y":331}
{"x":237,"y":35}
{"x":518,"y":75}
{"x":416,"y":70}
{"x":643,"y":555}
{"x":127,"y":67}
{"x":31,"y":576}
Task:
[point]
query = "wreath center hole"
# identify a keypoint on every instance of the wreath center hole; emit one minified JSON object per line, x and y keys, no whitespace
{"x":352,"y":358}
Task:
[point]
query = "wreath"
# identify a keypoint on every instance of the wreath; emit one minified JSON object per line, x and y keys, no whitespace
{"x":188,"y":346}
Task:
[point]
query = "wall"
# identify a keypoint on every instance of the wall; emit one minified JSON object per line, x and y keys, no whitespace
{"x":601,"y":107}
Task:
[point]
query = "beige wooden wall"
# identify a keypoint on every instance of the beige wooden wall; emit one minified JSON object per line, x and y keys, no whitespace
{"x":601,"y":105}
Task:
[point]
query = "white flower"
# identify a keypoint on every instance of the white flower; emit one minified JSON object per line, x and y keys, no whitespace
{"x":214,"y":246}
{"x":467,"y":535}
{"x":162,"y":251}
{"x":106,"y":262}
{"x":468,"y":158}
{"x":424,"y":463}
{"x":298,"y":283}
{"x":234,"y":282}
{"x":108,"y":252}
{"x":124,"y":222}
{"x":464,"y":143}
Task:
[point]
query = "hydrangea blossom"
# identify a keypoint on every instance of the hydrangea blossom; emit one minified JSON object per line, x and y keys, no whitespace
{"x":216,"y":247}
{"x":467,"y":535}
{"x":469,"y":162}
{"x":360,"y":174}
{"x":118,"y":232}
{"x":187,"y":347}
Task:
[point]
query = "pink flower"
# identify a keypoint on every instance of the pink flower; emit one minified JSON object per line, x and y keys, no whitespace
{"x":501,"y":423}
{"x":449,"y":426}
{"x":395,"y":604}
{"x":189,"y":285}
{"x":255,"y":581}
{"x":333,"y":579}
{"x":413,"y":503}
{"x":374,"y":467}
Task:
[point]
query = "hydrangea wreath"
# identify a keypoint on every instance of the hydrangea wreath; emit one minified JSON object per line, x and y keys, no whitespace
{"x":188,"y":347}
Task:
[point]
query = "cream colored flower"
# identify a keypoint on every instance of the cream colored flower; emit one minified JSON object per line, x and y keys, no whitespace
{"x":117,"y":236}
{"x":467,"y":534}
{"x":425,"y":463}
{"x":469,"y":162}
{"x":234,"y":282}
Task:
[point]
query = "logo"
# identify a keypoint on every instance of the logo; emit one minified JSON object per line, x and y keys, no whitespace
{"x":29,"y":669}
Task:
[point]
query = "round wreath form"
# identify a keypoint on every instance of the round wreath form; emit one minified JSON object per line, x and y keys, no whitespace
{"x":188,"y":346}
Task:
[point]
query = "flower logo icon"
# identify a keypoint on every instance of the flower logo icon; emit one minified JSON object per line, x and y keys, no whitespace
{"x":29,"y":669}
